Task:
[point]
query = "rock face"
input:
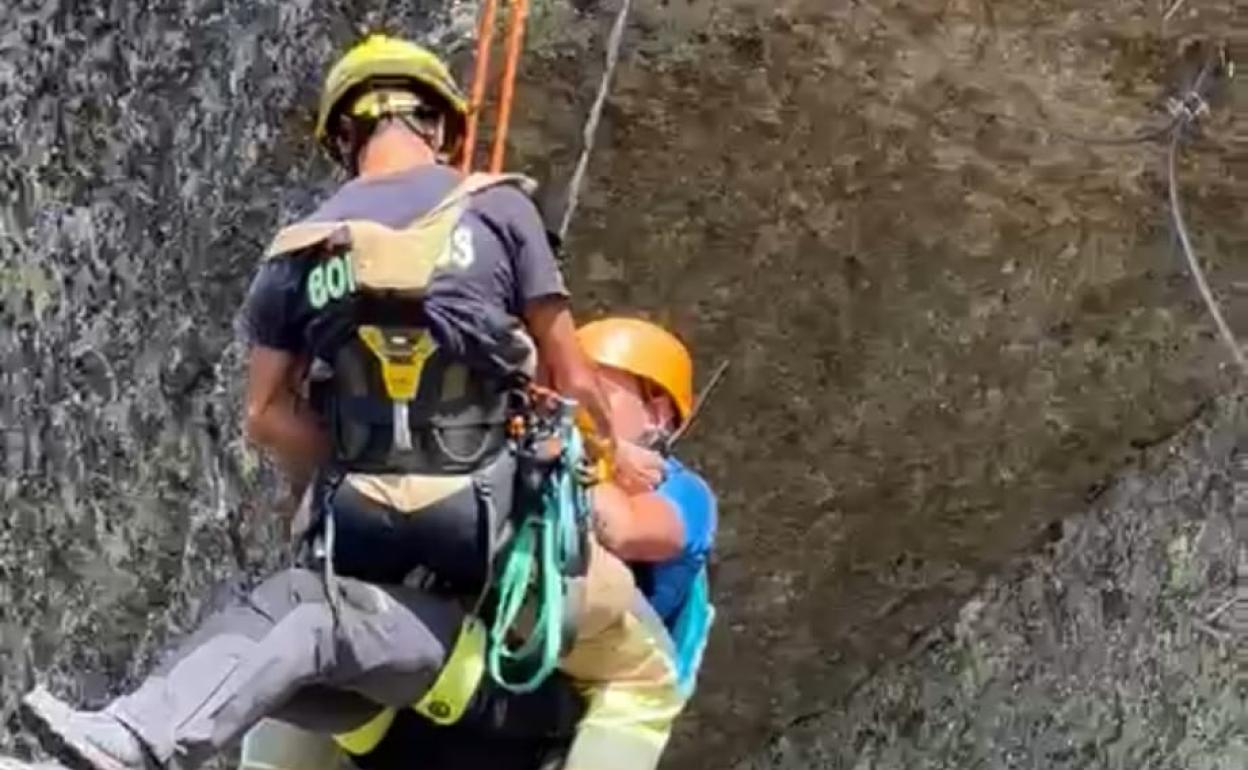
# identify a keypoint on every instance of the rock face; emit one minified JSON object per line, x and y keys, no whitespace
{"x":150,"y":150}
{"x":951,"y":319}
{"x":1113,"y":647}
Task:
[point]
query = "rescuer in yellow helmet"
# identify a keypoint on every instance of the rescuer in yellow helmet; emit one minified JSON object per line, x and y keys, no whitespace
{"x":410,"y":308}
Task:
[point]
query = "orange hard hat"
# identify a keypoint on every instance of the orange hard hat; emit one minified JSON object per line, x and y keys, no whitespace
{"x":645,"y":350}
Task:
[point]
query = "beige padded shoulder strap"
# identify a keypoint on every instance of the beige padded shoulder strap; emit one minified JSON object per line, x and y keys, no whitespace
{"x":479,"y":182}
{"x":297,"y":237}
{"x":303,"y":235}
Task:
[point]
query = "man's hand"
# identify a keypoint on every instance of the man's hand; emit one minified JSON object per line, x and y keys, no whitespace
{"x":636,"y":469}
{"x":549,"y":322}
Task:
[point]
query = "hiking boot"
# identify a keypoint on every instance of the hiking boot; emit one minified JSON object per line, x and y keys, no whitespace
{"x":85,"y":740}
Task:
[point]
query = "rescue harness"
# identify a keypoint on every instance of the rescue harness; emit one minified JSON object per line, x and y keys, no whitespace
{"x":550,"y":546}
{"x":531,"y":616}
{"x":396,"y":402}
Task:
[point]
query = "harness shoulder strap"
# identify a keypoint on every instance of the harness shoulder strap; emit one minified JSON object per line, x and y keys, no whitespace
{"x":404,"y":259}
{"x":476,"y":183}
{"x":299,"y":236}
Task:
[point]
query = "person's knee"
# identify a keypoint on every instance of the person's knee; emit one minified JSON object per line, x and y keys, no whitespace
{"x":253,"y":613}
{"x":288,"y":589}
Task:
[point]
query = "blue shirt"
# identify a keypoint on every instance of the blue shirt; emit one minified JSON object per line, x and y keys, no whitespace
{"x":666,"y":584}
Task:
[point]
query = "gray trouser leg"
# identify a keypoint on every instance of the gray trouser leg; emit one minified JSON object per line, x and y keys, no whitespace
{"x":270,"y":651}
{"x":323,"y":709}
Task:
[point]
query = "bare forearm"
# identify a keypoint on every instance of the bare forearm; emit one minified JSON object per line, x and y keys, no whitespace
{"x":293,"y":438}
{"x":585,"y":388}
{"x":641,"y":528}
{"x":571,"y":373}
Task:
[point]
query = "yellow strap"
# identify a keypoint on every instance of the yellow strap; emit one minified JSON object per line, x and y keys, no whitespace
{"x":365,"y":738}
{"x":604,"y":462}
{"x":402,"y":354}
{"x":448,"y":698}
{"x":445,"y":701}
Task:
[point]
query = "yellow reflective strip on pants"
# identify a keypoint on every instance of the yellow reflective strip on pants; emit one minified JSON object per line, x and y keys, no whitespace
{"x":447,"y":698}
{"x":365,"y":738}
{"x":451,"y":692}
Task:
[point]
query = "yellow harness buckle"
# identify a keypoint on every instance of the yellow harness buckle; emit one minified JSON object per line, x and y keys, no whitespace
{"x":402,"y":354}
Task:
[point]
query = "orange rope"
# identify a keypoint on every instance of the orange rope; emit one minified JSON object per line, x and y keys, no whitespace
{"x":515,"y":41}
{"x":485,"y":39}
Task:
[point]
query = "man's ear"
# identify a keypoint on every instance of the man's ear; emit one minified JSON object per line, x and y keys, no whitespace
{"x":660,"y":406}
{"x":348,"y":152}
{"x":443,"y":150}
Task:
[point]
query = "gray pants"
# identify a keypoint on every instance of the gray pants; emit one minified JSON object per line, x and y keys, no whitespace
{"x":279,"y":652}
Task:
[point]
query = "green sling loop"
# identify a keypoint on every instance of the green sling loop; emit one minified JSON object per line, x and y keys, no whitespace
{"x":550,"y":542}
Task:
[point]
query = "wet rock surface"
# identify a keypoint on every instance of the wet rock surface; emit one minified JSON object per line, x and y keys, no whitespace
{"x":950,"y":321}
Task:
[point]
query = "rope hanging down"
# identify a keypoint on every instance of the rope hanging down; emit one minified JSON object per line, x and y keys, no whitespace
{"x":1186,"y":111}
{"x":519,"y":11}
{"x":549,"y":547}
{"x":1198,"y":275}
{"x":515,"y":37}
{"x":590,"y":131}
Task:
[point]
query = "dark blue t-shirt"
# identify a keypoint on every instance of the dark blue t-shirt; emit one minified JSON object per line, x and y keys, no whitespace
{"x":502,"y":261}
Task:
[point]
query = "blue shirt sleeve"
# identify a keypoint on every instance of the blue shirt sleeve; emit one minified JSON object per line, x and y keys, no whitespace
{"x":693,"y":500}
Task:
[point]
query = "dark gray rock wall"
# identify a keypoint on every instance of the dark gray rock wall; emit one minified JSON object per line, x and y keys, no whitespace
{"x":147,"y":153}
{"x":952,"y":318}
{"x":1114,"y":647}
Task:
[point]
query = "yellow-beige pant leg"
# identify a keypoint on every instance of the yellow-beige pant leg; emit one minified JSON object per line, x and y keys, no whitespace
{"x":606,"y":593}
{"x":623,"y":663}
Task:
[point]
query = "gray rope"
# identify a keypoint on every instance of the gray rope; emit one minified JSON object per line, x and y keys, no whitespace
{"x":1187,"y":109}
{"x":590,"y":131}
{"x":1173,"y":10}
{"x":1193,"y":264}
{"x":330,"y":576}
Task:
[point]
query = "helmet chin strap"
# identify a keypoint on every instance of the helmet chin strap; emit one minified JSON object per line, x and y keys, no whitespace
{"x":386,"y":103}
{"x":435,"y":137}
{"x":351,"y":142}
{"x":656,"y":439}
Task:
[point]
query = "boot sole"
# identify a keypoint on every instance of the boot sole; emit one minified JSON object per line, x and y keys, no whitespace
{"x":40,"y":711}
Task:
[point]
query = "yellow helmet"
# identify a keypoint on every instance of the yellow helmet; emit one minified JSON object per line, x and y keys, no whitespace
{"x":645,"y":350}
{"x":389,"y":60}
